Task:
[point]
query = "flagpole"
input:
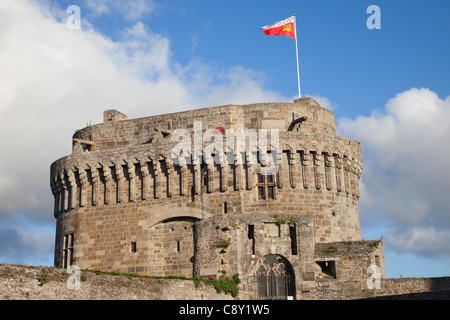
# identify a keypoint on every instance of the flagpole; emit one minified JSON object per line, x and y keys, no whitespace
{"x":296,"y":51}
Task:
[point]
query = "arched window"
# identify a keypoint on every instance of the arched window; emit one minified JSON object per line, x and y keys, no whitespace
{"x":274,"y":278}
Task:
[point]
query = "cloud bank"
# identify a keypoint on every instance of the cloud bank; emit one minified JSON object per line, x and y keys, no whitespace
{"x":406,"y":178}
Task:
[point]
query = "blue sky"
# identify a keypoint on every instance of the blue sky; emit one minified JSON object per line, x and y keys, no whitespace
{"x":389,"y":88}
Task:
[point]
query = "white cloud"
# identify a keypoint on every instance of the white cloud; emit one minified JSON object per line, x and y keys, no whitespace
{"x":424,"y":240}
{"x":406,"y":177}
{"x":236,"y":85}
{"x":129,"y":10}
{"x":98,"y":6}
{"x":324,"y":102}
{"x":40,"y":242}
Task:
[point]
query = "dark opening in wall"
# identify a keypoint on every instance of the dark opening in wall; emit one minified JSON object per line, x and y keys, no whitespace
{"x":193,"y":193}
{"x":293,"y":236}
{"x":377,"y":260}
{"x":225,"y":207}
{"x":86,"y":147}
{"x":133,"y":247}
{"x":328,"y":268}
{"x":251,"y":235}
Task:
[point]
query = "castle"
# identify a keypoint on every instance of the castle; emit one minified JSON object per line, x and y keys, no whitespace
{"x":267,"y":191}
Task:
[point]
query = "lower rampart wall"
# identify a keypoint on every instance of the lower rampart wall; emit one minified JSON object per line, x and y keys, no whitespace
{"x":390,"y":289}
{"x":18,"y":282}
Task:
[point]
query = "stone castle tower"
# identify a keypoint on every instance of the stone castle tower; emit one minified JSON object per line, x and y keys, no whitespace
{"x":268,"y":191}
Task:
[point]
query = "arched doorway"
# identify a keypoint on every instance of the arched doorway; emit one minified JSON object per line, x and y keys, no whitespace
{"x":274,"y":278}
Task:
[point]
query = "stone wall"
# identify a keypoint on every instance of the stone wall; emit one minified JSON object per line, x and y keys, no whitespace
{"x":352,"y":258}
{"x":103,"y":238}
{"x":171,"y":248}
{"x":118,"y":131}
{"x":390,"y":289}
{"x":19,"y":282}
{"x":251,"y":238}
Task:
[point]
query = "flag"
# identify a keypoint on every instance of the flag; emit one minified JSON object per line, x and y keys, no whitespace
{"x":281,"y":28}
{"x":286,"y":27}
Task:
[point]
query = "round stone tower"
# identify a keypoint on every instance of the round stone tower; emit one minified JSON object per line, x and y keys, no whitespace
{"x":136,"y":195}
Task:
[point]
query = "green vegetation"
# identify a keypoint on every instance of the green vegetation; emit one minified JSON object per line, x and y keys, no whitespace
{"x":225,"y":284}
{"x":374,"y":243}
{"x":46,"y":275}
{"x":331,"y":249}
{"x":223,"y":242}
{"x":283,"y":219}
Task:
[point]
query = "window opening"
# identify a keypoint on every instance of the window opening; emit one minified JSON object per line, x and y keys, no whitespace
{"x":274,"y":278}
{"x":328,"y":268}
{"x":260,"y":178}
{"x":68,"y":250}
{"x":266,"y":187}
{"x":261,"y":195}
{"x":270,"y":193}
{"x":251,"y":235}
{"x":293,"y":236}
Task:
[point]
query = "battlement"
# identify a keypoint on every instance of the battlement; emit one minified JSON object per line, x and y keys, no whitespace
{"x":304,"y":116}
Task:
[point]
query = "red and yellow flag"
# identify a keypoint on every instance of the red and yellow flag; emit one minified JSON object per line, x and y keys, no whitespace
{"x":281,"y":28}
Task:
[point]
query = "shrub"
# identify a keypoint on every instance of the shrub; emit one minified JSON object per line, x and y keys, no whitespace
{"x":227,"y":284}
{"x":374,"y":243}
{"x":331,"y":249}
{"x":223,"y":241}
{"x":46,"y":275}
{"x":283,"y":219}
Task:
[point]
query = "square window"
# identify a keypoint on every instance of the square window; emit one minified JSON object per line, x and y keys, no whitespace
{"x":261,"y":195}
{"x":266,"y":187}
{"x":270,"y":194}
{"x":260,"y":178}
